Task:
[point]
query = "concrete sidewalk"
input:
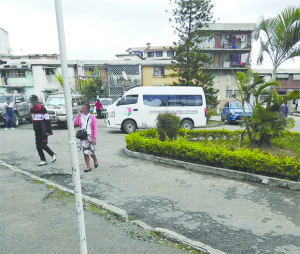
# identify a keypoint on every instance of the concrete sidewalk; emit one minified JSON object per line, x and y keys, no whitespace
{"x":32,"y":221}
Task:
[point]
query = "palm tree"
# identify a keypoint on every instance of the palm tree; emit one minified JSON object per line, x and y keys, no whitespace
{"x":279,"y":37}
{"x":249,"y":83}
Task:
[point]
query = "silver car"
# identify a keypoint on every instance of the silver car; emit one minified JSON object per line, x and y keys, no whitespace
{"x":56,"y":108}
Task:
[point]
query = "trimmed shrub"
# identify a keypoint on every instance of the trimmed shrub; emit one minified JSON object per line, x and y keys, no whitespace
{"x":209,"y":113}
{"x":219,"y":156}
{"x":167,"y":126}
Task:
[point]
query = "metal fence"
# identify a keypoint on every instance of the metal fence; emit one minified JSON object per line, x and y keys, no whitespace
{"x":122,"y":78}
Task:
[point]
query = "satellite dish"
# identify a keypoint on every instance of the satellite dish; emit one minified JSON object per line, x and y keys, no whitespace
{"x":124,"y":75}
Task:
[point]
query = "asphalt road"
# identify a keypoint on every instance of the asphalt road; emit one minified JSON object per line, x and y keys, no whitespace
{"x":230,"y":215}
{"x":33,"y":220}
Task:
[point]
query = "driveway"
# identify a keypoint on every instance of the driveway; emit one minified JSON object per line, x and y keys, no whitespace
{"x":230,"y":215}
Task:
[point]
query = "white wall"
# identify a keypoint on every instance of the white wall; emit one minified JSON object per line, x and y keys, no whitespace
{"x":4,"y":43}
{"x":42,"y":82}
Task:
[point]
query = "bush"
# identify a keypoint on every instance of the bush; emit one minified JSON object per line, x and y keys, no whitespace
{"x":209,"y":113}
{"x":219,"y":156}
{"x":167,"y":125}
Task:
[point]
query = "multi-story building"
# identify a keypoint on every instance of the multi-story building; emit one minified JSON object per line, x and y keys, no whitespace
{"x":230,"y":45}
{"x":33,"y":76}
{"x":4,"y":43}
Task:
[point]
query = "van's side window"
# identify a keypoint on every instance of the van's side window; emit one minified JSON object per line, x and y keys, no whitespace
{"x":127,"y":100}
{"x":173,"y":100}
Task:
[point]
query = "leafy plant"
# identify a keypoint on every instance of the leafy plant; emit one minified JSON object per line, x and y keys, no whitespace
{"x":279,"y":37}
{"x":58,"y":77}
{"x":191,"y":19}
{"x":167,"y":126}
{"x":268,"y":123}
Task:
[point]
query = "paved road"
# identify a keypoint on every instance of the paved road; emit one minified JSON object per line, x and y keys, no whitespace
{"x":34,"y":222}
{"x":234,"y":216}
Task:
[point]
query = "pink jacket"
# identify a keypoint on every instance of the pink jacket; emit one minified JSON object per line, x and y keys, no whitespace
{"x":93,"y":120}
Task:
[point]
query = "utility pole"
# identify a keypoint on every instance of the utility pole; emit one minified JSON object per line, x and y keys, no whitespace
{"x":71,"y":132}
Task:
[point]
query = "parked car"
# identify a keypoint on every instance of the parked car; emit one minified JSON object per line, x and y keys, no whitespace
{"x":140,"y":106}
{"x":56,"y":108}
{"x":22,"y":108}
{"x":233,"y":112}
{"x":105,"y":103}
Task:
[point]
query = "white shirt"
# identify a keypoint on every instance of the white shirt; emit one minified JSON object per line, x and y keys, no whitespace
{"x":10,"y":105}
{"x":84,"y":118}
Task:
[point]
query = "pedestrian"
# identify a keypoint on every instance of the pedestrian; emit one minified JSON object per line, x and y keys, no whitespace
{"x":98,"y":108}
{"x":42,"y":129}
{"x":296,"y":107}
{"x":88,"y":122}
{"x":285,"y":109}
{"x":9,"y":106}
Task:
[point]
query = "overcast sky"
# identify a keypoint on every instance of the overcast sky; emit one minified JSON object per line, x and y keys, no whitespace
{"x":99,"y":29}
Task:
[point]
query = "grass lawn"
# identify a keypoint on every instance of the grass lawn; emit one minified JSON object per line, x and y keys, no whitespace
{"x":280,"y":147}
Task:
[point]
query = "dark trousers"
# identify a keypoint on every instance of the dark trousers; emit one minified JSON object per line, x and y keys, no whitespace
{"x":98,"y":113}
{"x":42,"y":144}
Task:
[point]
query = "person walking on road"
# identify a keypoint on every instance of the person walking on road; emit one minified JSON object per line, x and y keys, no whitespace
{"x":9,"y":106}
{"x":99,"y":107}
{"x":88,"y":122}
{"x":42,"y":129}
{"x":285,"y":109}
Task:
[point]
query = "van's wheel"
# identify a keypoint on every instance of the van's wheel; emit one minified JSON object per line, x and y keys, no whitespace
{"x":16,"y":120}
{"x":187,"y":124}
{"x":129,"y":126}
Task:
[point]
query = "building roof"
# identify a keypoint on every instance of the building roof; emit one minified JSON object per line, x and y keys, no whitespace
{"x":230,"y":27}
{"x":152,"y":48}
{"x":3,"y":30}
{"x":130,"y":54}
{"x":279,"y":71}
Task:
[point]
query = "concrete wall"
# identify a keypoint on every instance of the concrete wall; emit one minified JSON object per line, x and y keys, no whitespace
{"x":4,"y":43}
{"x":150,"y":80}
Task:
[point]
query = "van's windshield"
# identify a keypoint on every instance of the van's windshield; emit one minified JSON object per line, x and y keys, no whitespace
{"x":55,"y":101}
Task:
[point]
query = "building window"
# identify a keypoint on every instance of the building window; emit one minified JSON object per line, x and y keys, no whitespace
{"x":150,"y":54}
{"x":49,"y":72}
{"x":263,"y":97}
{"x":93,"y":71}
{"x":16,"y":74}
{"x":159,"y":54}
{"x":173,"y":100}
{"x":237,"y":93}
{"x":170,"y":53}
{"x":207,"y":39}
{"x":159,"y":72}
{"x":229,"y":93}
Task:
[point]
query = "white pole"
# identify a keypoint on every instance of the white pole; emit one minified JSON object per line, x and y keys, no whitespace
{"x":72,"y":141}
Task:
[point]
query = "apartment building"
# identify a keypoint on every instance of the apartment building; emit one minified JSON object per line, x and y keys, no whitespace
{"x":230,"y":45}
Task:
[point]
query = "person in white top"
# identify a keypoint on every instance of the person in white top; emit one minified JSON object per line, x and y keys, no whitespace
{"x":9,"y":106}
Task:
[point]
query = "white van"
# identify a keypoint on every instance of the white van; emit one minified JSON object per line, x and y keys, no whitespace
{"x":139,"y":107}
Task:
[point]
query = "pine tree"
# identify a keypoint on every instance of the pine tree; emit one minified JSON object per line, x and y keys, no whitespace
{"x":191,"y":17}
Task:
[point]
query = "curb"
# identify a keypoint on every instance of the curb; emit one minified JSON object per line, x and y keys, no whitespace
{"x":271,"y":181}
{"x":170,"y":235}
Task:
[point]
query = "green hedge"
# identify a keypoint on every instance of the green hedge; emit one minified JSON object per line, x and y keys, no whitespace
{"x":251,"y":161}
{"x":210,"y":134}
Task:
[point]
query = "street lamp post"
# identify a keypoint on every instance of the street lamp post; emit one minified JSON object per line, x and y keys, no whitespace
{"x":71,"y":132}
